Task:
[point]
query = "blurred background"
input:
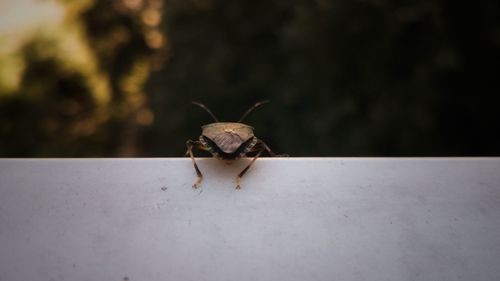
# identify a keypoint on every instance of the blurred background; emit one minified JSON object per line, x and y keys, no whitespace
{"x":115,"y":78}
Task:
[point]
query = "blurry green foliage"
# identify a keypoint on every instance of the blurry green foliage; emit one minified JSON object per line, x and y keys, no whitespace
{"x":53,"y":111}
{"x":80,"y":91}
{"x":346,"y":78}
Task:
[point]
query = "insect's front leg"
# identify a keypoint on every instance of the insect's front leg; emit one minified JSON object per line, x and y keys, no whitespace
{"x":259,"y":147}
{"x":238,"y":178}
{"x":190,"y":144}
{"x":260,"y":143}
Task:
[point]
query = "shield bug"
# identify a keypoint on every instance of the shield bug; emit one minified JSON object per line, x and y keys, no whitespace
{"x":227,"y":141}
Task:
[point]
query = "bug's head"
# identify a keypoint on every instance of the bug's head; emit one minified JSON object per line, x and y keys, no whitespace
{"x":242,"y":117}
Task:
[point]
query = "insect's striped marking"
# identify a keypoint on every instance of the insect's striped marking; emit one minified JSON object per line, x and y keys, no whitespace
{"x":207,"y":147}
{"x":249,"y":147}
{"x":202,"y":140}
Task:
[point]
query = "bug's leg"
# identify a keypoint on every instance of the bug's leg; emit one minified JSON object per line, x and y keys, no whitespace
{"x":238,"y":178}
{"x":190,"y":144}
{"x":260,"y":143}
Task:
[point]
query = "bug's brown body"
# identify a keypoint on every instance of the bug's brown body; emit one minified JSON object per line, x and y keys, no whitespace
{"x":227,"y":141}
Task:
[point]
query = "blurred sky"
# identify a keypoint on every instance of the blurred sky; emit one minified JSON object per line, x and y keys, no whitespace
{"x":21,"y":17}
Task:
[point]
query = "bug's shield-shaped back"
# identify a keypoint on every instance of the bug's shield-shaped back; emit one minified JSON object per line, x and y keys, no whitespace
{"x":228,"y":142}
{"x":228,"y":136}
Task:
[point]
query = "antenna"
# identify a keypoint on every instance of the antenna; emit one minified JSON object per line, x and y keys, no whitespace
{"x":252,"y":108}
{"x":208,"y":110}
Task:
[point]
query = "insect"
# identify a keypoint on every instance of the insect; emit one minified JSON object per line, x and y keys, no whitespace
{"x":227,"y":141}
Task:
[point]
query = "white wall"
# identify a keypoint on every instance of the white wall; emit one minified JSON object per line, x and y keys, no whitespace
{"x":293,"y":219}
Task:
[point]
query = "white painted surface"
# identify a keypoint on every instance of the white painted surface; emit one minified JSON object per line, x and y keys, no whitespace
{"x":294,"y":219}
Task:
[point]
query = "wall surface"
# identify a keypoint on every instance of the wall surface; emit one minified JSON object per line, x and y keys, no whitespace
{"x":293,"y":219}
